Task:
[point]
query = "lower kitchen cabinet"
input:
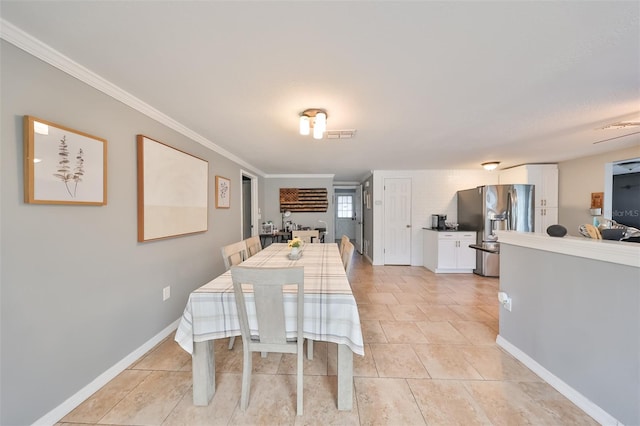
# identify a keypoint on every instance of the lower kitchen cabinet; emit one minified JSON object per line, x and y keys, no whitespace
{"x":448,"y":251}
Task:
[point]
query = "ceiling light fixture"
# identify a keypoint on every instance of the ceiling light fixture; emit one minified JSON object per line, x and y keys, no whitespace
{"x":490,"y":165}
{"x":313,"y":118}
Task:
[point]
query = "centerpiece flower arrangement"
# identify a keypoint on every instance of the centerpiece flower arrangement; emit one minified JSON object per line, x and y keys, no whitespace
{"x":295,"y":245}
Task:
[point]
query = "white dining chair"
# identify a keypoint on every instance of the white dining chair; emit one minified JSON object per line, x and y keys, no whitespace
{"x":270,"y":336}
{"x":254,"y":245}
{"x":347,"y":255}
{"x":343,"y":240}
{"x":307,"y":236}
{"x":234,"y":254}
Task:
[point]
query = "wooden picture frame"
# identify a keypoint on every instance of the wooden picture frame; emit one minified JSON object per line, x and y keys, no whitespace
{"x":223,"y":193}
{"x":63,"y":165}
{"x":172,"y":191}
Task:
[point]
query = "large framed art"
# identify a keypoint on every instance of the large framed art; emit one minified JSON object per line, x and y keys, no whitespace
{"x":172,"y":191}
{"x":63,"y":165}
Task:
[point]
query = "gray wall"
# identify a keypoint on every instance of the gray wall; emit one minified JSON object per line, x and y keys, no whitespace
{"x":78,"y":292}
{"x":271,"y":201}
{"x":580,"y":320}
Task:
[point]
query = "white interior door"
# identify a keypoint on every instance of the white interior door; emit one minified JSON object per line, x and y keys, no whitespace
{"x":397,"y":221}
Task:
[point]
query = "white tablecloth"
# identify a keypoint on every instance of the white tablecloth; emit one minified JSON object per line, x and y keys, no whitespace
{"x":330,"y":310}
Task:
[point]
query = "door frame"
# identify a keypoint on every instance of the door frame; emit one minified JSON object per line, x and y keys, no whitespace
{"x":358,"y":204}
{"x":254,"y":204}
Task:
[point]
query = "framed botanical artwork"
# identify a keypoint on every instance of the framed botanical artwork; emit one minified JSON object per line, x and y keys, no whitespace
{"x":223,"y":192}
{"x":63,"y":165}
{"x":173,"y":193}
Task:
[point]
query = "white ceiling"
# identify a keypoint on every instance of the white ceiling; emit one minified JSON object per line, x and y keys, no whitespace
{"x":427,"y":85}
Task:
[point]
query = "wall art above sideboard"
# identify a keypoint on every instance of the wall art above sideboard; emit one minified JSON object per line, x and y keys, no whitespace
{"x":303,"y":199}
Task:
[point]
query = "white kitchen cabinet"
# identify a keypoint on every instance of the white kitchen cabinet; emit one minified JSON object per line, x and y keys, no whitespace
{"x":545,"y":179}
{"x":448,"y":251}
{"x":545,"y":217}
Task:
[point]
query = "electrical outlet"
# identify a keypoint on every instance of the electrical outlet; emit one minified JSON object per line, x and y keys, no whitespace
{"x":166,"y":293}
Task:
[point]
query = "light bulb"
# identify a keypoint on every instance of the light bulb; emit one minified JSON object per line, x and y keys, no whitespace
{"x":304,"y":125}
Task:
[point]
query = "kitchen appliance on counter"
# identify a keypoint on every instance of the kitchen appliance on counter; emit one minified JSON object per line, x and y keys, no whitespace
{"x":438,"y":221}
{"x":490,"y":208}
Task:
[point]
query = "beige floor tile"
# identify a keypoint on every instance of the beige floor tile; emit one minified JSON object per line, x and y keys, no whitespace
{"x":472,"y":313}
{"x":506,"y":404}
{"x":372,"y":332}
{"x":165,"y":356}
{"x":387,"y":287}
{"x":446,"y":362}
{"x":375,"y":312}
{"x":446,"y":403}
{"x":441,"y":332}
{"x":99,"y":404}
{"x":397,"y":360}
{"x":223,"y":404}
{"x":477,"y":333}
{"x":437,"y":299}
{"x":408,"y":298}
{"x":386,"y":402}
{"x":151,"y":401}
{"x":382,"y":299}
{"x":407,"y":313}
{"x":438,"y":312}
{"x":272,"y":400}
{"x":402,"y":332}
{"x":494,"y":364}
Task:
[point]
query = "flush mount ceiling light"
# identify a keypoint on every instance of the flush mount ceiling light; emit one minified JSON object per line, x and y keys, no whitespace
{"x":490,"y":165}
{"x":313,"y":118}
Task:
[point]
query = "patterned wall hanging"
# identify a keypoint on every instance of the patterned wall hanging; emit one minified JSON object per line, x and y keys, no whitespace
{"x":303,"y":199}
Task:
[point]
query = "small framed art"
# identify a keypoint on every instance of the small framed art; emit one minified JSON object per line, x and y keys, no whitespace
{"x":62,"y":165}
{"x":223,"y":192}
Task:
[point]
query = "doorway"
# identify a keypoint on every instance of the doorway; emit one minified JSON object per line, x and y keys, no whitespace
{"x":397,"y":221}
{"x":248,"y":205}
{"x":348,"y":214}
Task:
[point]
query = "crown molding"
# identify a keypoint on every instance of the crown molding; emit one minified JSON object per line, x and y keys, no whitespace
{"x":299,"y":176}
{"x":46,"y":53}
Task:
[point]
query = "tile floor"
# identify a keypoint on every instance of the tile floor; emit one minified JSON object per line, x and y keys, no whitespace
{"x":431,"y":359}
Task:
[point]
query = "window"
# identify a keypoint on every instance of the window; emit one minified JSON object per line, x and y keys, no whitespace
{"x":345,"y":206}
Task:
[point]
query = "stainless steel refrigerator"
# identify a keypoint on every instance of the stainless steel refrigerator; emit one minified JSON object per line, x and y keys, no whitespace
{"x":486,"y":209}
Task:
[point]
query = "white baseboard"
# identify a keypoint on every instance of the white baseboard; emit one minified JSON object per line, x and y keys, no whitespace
{"x":54,"y":416}
{"x":570,"y":393}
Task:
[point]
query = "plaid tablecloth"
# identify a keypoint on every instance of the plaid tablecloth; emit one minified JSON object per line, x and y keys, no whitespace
{"x":330,"y":310}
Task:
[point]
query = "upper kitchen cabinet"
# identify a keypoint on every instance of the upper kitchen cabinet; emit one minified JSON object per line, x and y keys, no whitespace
{"x":545,"y":179}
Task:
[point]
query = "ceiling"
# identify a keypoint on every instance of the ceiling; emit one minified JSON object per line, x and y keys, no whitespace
{"x":427,"y":85}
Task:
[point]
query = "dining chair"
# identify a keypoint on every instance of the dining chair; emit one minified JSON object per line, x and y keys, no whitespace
{"x":307,"y":236}
{"x":343,"y":240}
{"x":254,"y":245}
{"x":234,"y":254}
{"x":270,"y":336}
{"x":347,"y":255}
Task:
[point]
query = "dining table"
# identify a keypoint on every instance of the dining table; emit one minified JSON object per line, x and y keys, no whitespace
{"x":330,"y":315}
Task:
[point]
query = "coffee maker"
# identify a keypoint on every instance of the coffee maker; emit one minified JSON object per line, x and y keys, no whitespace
{"x":438,"y":222}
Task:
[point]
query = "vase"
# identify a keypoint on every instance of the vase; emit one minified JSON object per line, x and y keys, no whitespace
{"x":295,"y":251}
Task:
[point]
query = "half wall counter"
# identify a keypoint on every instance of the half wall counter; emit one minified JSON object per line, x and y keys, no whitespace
{"x":575,"y":318}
